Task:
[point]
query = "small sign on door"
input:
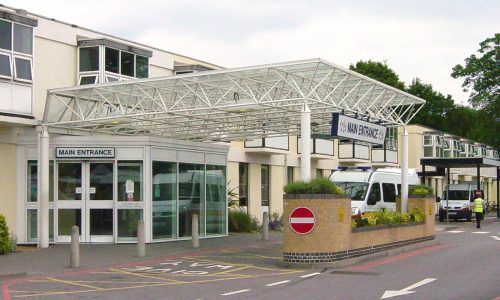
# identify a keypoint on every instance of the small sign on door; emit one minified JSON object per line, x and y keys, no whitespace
{"x":92,"y":190}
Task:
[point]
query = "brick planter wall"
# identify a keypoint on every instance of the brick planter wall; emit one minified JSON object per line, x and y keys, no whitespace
{"x":333,"y":239}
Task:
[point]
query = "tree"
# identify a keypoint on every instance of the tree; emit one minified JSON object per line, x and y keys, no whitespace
{"x":435,"y":112}
{"x":378,"y":71}
{"x":482,"y":76}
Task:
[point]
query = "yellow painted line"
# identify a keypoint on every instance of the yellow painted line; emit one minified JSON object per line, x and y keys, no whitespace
{"x":240,"y":265}
{"x":74,"y":283}
{"x":231,"y":272}
{"x":147,"y":276}
{"x":102,"y":281}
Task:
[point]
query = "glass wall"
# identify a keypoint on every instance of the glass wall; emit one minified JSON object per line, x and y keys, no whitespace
{"x":127,"y":223}
{"x":130,"y":181}
{"x":69,"y":181}
{"x":164,"y":200}
{"x":216,"y":200}
{"x":32,"y":181}
{"x":191,"y":197}
{"x":243,"y":181}
{"x":32,"y":228}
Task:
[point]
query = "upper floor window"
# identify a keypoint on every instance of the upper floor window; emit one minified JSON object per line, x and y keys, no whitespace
{"x":16,"y":51}
{"x":120,"y":62}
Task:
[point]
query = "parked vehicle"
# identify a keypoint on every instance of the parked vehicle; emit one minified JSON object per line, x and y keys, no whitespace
{"x":456,"y":201}
{"x":370,"y":190}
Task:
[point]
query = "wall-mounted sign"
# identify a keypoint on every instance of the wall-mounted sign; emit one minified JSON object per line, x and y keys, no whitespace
{"x":85,"y":152}
{"x":351,"y":128}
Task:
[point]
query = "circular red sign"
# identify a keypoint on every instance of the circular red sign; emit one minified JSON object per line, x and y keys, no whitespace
{"x":302,"y":220}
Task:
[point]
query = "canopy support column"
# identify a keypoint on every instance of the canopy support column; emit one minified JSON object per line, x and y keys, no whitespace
{"x":305,"y":143}
{"x":478,"y":177}
{"x":404,"y":173}
{"x":43,"y":213}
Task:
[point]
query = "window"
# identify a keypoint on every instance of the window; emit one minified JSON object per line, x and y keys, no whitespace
{"x":319,"y":173}
{"x":23,"y":39}
{"x":5,"y":70}
{"x":5,"y":35}
{"x":264,"y":184}
{"x":427,"y":140}
{"x":112,"y":79}
{"x":164,"y":200}
{"x":127,"y":64}
{"x":16,"y":45}
{"x":289,"y":174}
{"x":130,"y":181}
{"x":191,"y":197}
{"x":112,"y":60}
{"x":389,"y":191}
{"x":216,"y":200}
{"x":243,"y":181}
{"x":89,"y":59}
{"x":91,"y":79}
{"x":374,"y":195}
{"x":141,"y":67}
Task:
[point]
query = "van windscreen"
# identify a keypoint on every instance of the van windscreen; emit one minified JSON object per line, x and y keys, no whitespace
{"x":457,"y":195}
{"x":355,"y":190}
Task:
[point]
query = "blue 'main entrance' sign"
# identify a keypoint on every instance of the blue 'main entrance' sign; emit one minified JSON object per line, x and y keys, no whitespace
{"x":351,"y":128}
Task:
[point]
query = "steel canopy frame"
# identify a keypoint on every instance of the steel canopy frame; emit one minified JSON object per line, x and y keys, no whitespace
{"x":229,"y":104}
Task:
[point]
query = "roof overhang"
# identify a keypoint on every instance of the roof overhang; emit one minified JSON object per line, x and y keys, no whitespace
{"x":460,"y":162}
{"x":229,"y":104}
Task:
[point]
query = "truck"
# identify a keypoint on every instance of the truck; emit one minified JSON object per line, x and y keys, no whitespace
{"x":456,"y":201}
{"x":372,"y":190}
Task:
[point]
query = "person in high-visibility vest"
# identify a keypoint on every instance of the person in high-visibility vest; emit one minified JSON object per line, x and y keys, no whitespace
{"x":478,"y":208}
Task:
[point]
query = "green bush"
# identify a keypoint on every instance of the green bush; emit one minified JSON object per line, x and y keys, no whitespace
{"x":5,"y":245}
{"x":318,"y":185}
{"x":387,"y":217}
{"x":240,"y":221}
{"x":420,"y":190}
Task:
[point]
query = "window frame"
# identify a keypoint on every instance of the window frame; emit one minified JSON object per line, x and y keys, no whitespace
{"x":15,"y":77}
{"x":10,"y":65}
{"x":424,"y":140}
{"x":96,"y":80}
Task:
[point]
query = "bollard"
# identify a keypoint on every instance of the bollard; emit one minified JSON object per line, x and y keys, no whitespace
{"x":265,"y":226}
{"x":74,"y":260}
{"x":195,"y":242}
{"x":141,"y":239}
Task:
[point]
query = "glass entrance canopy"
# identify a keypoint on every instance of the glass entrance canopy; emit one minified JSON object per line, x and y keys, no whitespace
{"x":231,"y":104}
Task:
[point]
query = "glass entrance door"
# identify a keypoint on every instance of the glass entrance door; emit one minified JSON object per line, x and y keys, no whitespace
{"x":85,"y":198}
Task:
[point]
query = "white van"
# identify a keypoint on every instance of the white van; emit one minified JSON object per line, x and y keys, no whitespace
{"x":461,"y":197}
{"x":372,"y":190}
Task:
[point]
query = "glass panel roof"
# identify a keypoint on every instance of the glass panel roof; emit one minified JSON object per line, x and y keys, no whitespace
{"x":229,"y":104}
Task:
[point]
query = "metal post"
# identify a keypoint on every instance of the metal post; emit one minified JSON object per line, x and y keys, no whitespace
{"x":478,"y":178}
{"x":447,"y":194}
{"x":141,"y":239}
{"x":305,"y":143}
{"x":265,"y":226}
{"x":195,"y":242}
{"x":74,"y":260}
{"x":404,"y":173}
{"x":498,"y":193}
{"x":43,"y":163}
{"x":423,"y":175}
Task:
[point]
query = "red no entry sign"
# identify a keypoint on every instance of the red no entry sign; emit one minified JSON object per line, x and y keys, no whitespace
{"x":302,"y":220}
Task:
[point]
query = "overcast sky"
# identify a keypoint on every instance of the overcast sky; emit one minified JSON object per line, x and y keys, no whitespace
{"x":417,"y":38}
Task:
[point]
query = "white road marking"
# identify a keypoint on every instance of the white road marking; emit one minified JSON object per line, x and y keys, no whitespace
{"x":309,"y":275}
{"x":235,"y":292}
{"x":279,"y":282}
{"x":481,"y":232}
{"x":455,"y":231}
{"x":495,"y":237}
{"x":406,"y":290}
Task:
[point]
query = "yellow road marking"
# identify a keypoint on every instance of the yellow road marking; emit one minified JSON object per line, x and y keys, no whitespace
{"x":147,"y":276}
{"x":241,"y":265}
{"x":74,"y":283}
{"x":242,"y":254}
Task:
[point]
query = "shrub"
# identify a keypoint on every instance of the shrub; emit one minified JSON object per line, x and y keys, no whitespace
{"x":389,"y":218}
{"x":5,"y":245}
{"x":240,"y":221}
{"x":417,"y":215}
{"x":420,"y":190}
{"x":318,"y":185}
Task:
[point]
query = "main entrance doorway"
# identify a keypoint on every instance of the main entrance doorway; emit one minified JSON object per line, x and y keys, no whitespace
{"x":85,"y":197}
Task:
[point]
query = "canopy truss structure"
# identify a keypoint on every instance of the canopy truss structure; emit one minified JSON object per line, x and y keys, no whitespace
{"x":230,"y":104}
